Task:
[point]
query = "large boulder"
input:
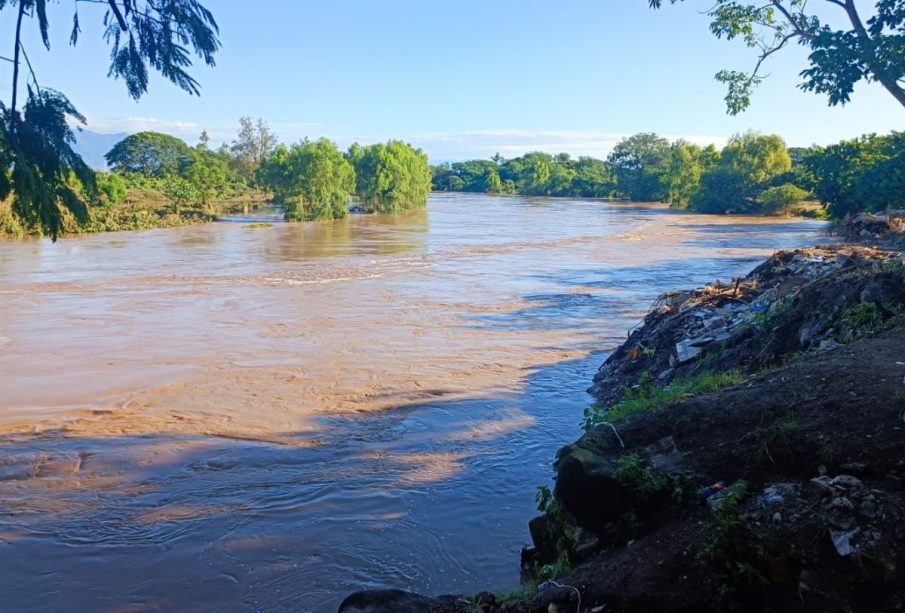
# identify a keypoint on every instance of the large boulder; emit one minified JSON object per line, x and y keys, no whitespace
{"x":595,"y":489}
{"x":395,"y":601}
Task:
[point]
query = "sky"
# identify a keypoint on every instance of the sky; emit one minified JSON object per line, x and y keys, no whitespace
{"x":459,"y":79}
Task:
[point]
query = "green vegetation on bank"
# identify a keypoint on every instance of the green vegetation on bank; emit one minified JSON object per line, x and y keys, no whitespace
{"x":157,"y":180}
{"x":648,"y":395}
{"x":753,"y":174}
{"x":533,"y":174}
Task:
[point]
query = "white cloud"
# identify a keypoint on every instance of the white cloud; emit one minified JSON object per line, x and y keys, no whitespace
{"x":190,"y":131}
{"x":187,"y":130}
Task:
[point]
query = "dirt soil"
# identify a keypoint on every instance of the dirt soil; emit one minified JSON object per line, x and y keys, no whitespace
{"x":840,"y":413}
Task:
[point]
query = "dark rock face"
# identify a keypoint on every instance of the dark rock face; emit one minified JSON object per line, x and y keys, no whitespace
{"x":392,"y":601}
{"x":592,"y":490}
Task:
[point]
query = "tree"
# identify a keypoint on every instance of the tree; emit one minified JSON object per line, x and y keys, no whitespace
{"x":780,"y":198}
{"x":111,"y":188}
{"x":533,"y":173}
{"x":862,"y":174}
{"x":150,"y":154}
{"x":749,"y":164}
{"x":492,"y":182}
{"x":871,"y":49}
{"x":682,"y":171}
{"x":638,"y":161}
{"x":209,"y":175}
{"x":313,"y":179}
{"x":593,"y":178}
{"x":37,"y":162}
{"x":393,"y":177}
{"x":253,"y":143}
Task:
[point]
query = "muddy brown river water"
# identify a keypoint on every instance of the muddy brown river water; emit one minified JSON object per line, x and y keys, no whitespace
{"x":236,"y":419}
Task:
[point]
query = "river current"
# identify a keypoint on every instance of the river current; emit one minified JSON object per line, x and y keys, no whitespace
{"x":236,"y":418}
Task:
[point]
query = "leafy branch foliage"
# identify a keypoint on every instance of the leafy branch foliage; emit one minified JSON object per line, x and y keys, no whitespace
{"x":37,"y":162}
{"x":872,"y":50}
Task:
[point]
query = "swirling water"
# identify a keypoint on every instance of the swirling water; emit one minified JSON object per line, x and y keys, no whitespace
{"x":237,"y":418}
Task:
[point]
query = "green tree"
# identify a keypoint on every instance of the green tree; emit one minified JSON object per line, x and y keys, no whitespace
{"x":209,"y":175}
{"x":252,"y":145}
{"x":273,"y":175}
{"x":749,"y":164}
{"x":533,"y":174}
{"x":593,"y":178}
{"x":393,"y":177}
{"x":492,"y":182}
{"x":312,"y":178}
{"x":781,"y":198}
{"x":37,"y":161}
{"x":150,"y":154}
{"x":871,"y":48}
{"x":862,"y":174}
{"x":638,"y":162}
{"x":681,"y":173}
{"x":111,"y":188}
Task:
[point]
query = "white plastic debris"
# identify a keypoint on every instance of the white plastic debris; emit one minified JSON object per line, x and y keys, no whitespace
{"x":842,"y":541}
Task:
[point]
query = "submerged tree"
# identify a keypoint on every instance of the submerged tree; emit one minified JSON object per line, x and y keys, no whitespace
{"x":393,"y":177}
{"x":312,"y":178}
{"x":871,"y":48}
{"x":37,"y":163}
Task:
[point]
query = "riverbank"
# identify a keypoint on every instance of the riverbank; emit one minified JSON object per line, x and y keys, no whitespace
{"x":780,"y":489}
{"x":142,"y":209}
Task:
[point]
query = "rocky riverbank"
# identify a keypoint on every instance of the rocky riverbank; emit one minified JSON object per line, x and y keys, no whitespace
{"x":747,"y":452}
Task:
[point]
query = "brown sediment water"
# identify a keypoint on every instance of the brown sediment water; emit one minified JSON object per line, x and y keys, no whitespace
{"x":230,"y":418}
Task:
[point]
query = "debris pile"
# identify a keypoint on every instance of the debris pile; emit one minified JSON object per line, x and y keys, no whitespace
{"x":793,"y":302}
{"x":872,"y":226}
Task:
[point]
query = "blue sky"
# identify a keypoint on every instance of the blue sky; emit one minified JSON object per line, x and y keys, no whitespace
{"x":460,"y":79}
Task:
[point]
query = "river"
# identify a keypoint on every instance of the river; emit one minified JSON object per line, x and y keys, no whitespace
{"x":236,"y":418}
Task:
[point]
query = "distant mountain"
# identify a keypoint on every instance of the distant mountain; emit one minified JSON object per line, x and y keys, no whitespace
{"x":92,"y":146}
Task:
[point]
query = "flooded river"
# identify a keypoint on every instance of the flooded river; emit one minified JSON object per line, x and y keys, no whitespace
{"x":237,"y":418}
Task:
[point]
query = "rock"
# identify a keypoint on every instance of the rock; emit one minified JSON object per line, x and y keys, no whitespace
{"x":389,"y":601}
{"x":842,"y":503}
{"x":544,"y":541}
{"x":823,"y":484}
{"x":586,"y":544}
{"x":588,"y":484}
{"x":827,"y":345}
{"x":847,"y":482}
{"x":664,"y":456}
{"x":587,"y":487}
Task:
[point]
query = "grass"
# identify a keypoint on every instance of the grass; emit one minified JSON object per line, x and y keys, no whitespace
{"x":639,"y":475}
{"x":810,"y":209}
{"x":865,"y":319}
{"x":650,"y":396}
{"x":144,"y":214}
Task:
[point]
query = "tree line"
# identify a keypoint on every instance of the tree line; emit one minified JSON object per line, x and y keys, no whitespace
{"x":313,"y":179}
{"x":753,"y":173}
